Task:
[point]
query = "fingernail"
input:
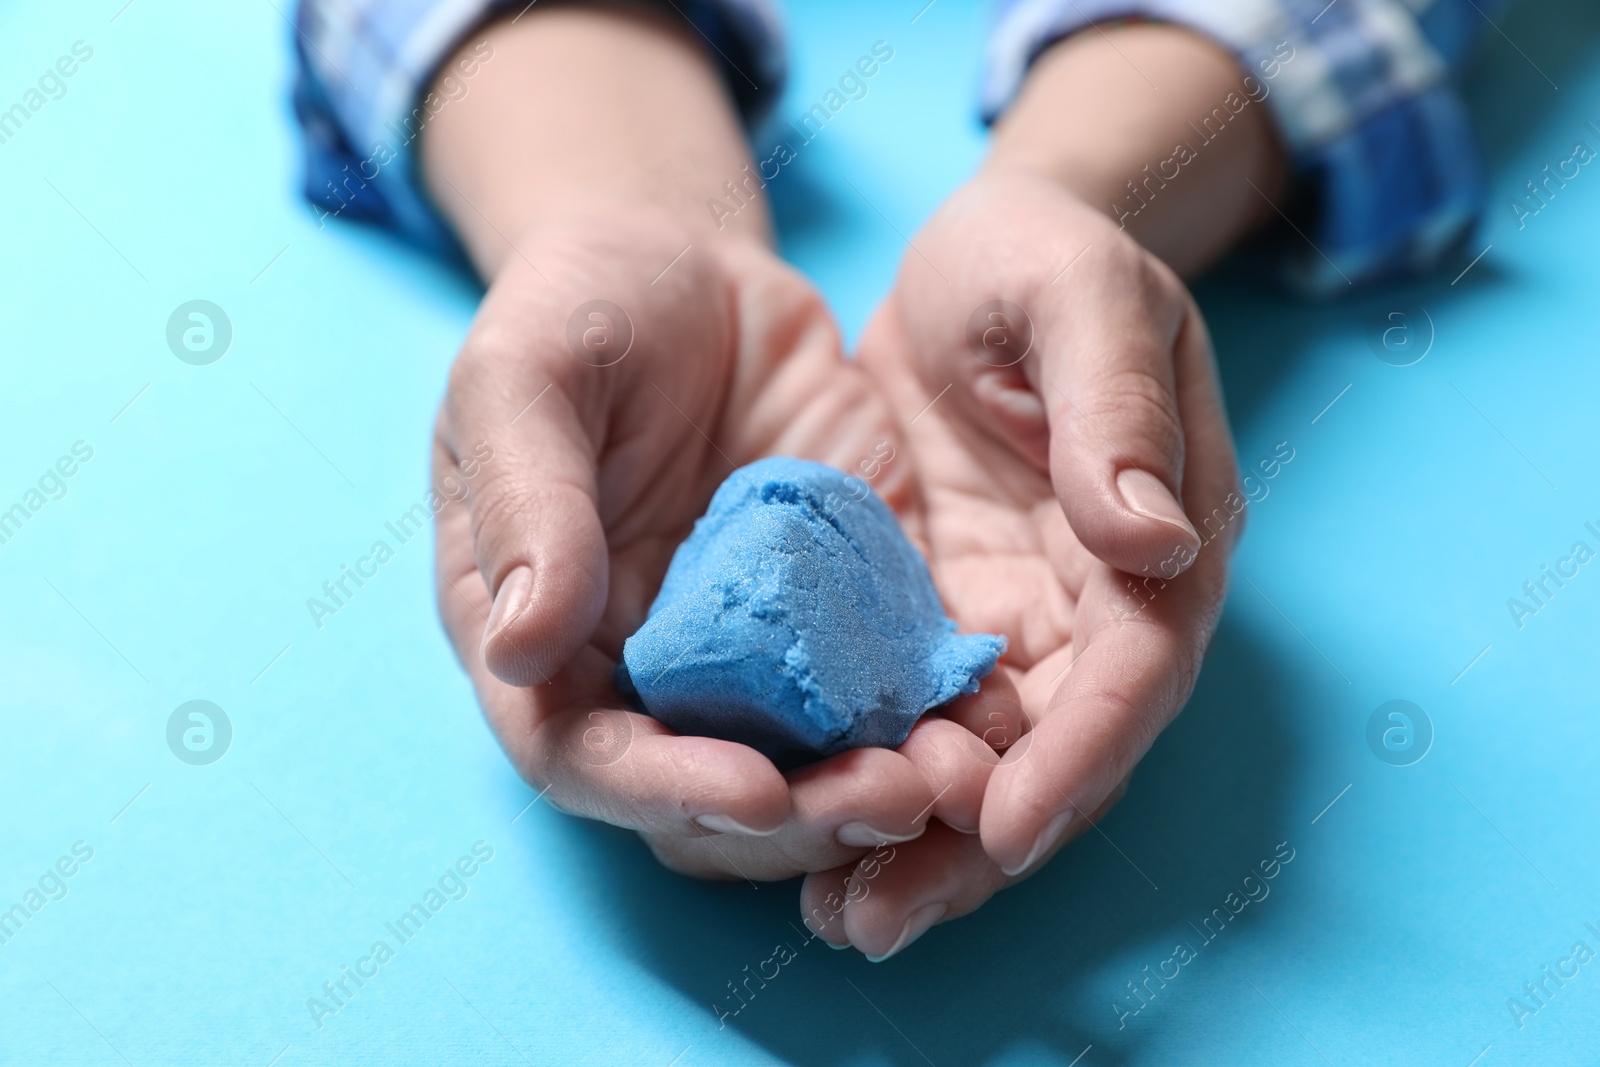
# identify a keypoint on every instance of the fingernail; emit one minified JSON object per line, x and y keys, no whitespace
{"x":916,"y":925}
{"x":859,"y":834}
{"x":509,"y":604}
{"x":1051,"y":834}
{"x":816,"y":935}
{"x":1145,"y":494}
{"x":722,"y":824}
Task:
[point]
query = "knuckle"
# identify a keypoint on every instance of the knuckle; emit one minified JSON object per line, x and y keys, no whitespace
{"x":1152,"y":283}
{"x":465,"y":373}
{"x":1162,"y":286}
{"x":500,"y":506}
{"x":1128,"y":259}
{"x":492,"y":364}
{"x":1144,"y":725}
{"x":497,"y":504}
{"x":1151,"y":280}
{"x":1139,"y":400}
{"x":681,"y":856}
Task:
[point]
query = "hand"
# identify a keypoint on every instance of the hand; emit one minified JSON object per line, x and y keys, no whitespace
{"x":1049,"y":465}
{"x":602,"y":453}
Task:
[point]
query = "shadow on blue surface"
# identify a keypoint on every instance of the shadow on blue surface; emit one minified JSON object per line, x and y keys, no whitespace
{"x":1206,"y":798}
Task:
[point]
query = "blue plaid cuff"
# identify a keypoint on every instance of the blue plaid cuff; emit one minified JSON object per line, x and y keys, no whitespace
{"x":1361,"y":94}
{"x":362,"y":91}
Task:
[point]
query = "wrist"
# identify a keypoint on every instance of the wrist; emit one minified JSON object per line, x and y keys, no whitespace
{"x":1089,"y":119}
{"x":587,"y":111}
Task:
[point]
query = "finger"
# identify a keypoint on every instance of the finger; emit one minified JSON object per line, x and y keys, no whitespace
{"x":893,"y":900}
{"x":1140,"y":650}
{"x":955,"y":763}
{"x":631,"y":771}
{"x":1107,"y":378}
{"x":994,"y":714}
{"x":822,"y":900}
{"x":939,"y":877}
{"x":840,"y":807}
{"x":857,"y":799}
{"x":518,"y":410}
{"x":593,"y":759}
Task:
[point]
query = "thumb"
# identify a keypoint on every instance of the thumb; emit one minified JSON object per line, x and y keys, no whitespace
{"x":1116,"y":452}
{"x":536,"y":533}
{"x":542,"y":551}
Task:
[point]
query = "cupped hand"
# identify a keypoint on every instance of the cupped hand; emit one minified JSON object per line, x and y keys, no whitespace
{"x":592,"y":435}
{"x":1058,"y":390}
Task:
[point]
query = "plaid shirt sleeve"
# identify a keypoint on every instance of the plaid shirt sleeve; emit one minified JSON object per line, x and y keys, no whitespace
{"x":362,"y":91}
{"x":1385,"y":155}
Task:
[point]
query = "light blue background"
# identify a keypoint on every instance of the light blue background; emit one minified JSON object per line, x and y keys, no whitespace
{"x":178,"y":565}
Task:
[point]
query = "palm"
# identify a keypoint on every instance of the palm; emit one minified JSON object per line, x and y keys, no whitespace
{"x":780,"y":388}
{"x":1001,"y":551}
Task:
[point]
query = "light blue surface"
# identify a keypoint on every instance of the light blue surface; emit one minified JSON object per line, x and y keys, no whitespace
{"x":798,"y":619}
{"x":219,"y":498}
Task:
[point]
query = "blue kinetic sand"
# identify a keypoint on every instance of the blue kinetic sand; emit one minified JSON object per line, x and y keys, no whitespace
{"x":797,"y":619}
